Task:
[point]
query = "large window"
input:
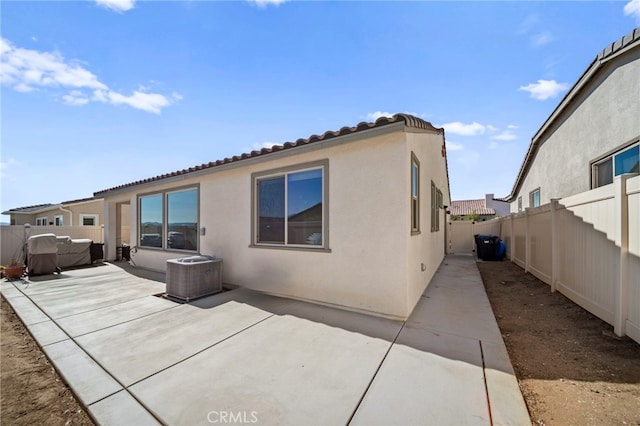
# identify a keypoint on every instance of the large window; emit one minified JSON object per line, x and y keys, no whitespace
{"x":290,"y":207}
{"x":58,"y":220}
{"x":41,"y":221}
{"x":169,"y":220}
{"x":624,"y":161}
{"x":415,"y":194}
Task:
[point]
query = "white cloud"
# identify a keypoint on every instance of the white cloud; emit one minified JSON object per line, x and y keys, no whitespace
{"x":373,"y":116}
{"x":259,"y":146}
{"x":541,"y":39}
{"x":544,"y":89}
{"x":75,"y":97}
{"x":6,"y":165}
{"x":633,"y":9}
{"x":512,"y":126}
{"x":26,"y":70}
{"x":452,"y":146}
{"x":458,"y":128}
{"x":117,"y":5}
{"x":528,"y":24}
{"x":265,"y":3}
{"x":506,"y":135}
{"x":491,"y":128}
{"x":493,"y":145}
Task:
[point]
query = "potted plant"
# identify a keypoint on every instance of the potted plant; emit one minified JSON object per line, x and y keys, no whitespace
{"x":13,"y":271}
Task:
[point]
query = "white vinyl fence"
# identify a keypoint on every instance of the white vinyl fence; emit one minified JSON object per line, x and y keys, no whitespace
{"x":586,"y":246}
{"x":13,"y":238}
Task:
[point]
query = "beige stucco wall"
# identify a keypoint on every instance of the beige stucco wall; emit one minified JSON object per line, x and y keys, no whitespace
{"x":426,"y":248}
{"x":602,"y":118}
{"x":374,"y":265}
{"x":87,"y":207}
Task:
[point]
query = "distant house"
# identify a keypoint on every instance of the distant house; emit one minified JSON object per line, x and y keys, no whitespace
{"x":352,"y":218}
{"x":83,"y":212}
{"x":487,"y":208}
{"x":592,"y":136}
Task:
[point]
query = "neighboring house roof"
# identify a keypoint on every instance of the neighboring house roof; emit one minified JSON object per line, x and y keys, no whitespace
{"x":48,"y":206}
{"x":624,"y":44}
{"x":81,"y":200}
{"x":31,"y":209}
{"x":465,"y":207}
{"x":409,"y":121}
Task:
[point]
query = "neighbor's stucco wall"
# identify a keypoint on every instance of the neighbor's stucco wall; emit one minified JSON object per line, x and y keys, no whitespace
{"x":89,"y":207}
{"x":602,"y":118}
{"x":369,"y":227}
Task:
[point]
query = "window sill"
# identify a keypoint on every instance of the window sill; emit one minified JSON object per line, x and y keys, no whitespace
{"x":289,"y":248}
{"x":415,"y":233}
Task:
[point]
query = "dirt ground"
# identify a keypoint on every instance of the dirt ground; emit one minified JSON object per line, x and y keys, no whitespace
{"x":571,"y":368}
{"x":31,"y":392}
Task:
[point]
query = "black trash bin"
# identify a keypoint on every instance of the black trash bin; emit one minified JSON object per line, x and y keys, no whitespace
{"x":486,"y":246}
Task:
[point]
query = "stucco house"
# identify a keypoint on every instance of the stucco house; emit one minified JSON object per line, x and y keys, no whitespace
{"x":593,"y":134}
{"x":82,"y":212}
{"x":486,"y":208}
{"x":352,"y":218}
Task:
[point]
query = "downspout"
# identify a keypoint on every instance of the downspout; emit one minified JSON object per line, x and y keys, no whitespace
{"x":70,"y":215}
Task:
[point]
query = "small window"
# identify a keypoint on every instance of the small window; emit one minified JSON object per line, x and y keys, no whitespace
{"x":41,"y":221}
{"x":436,"y":204}
{"x":290,"y":207}
{"x":89,"y":219}
{"x":624,"y":161}
{"x":58,"y":220}
{"x":534,"y":198}
{"x":415,"y":194}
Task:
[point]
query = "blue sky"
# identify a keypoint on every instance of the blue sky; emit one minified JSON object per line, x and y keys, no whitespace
{"x":99,"y":94}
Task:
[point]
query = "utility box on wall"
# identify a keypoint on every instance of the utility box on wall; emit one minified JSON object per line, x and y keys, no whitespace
{"x":193,"y":277}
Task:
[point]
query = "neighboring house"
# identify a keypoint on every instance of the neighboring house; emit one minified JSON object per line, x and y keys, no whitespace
{"x":84,"y":212}
{"x":487,"y":208}
{"x":592,"y":135}
{"x":352,"y":218}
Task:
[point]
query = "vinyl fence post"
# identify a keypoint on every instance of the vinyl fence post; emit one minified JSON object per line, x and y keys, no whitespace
{"x":554,"y":244}
{"x":527,"y":241}
{"x":622,"y":241}
{"x":512,"y":247}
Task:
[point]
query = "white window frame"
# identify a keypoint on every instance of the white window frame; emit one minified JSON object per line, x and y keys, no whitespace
{"x":532,"y":197}
{"x":92,"y":216}
{"x":60,"y":218}
{"x":612,"y":158}
{"x":322,"y":165}
{"x":42,"y":221}
{"x":415,"y":195}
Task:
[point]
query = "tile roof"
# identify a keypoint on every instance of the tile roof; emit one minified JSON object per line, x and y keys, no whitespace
{"x":465,"y":207}
{"x":30,"y":209}
{"x":409,"y":120}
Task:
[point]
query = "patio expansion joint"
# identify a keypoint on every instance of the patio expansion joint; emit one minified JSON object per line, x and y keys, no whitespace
{"x":484,"y":379}
{"x":198,"y":352}
{"x":355,"y":410}
{"x":109,"y":306}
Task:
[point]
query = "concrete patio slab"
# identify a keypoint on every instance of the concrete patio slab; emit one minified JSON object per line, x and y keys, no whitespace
{"x":87,"y":379}
{"x":137,"y":349}
{"x":108,"y":316}
{"x":121,"y":409}
{"x":28,"y":312}
{"x":420,"y":388}
{"x":242,"y":356}
{"x":284,"y":370}
{"x":46,"y":333}
{"x":505,"y":399}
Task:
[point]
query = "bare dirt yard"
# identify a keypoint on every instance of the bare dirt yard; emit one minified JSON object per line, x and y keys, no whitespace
{"x":571,"y":368}
{"x":31,"y":392}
